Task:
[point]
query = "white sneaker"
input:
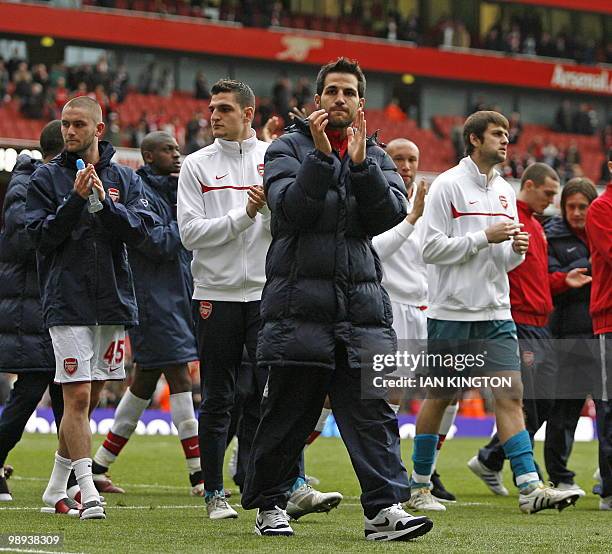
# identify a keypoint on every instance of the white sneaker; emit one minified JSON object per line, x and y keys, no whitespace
{"x":605,"y":503}
{"x":271,"y":523}
{"x":395,"y":524}
{"x":422,"y":499}
{"x":306,"y":500}
{"x":92,"y":510}
{"x":218,"y":508}
{"x":197,"y":490}
{"x":571,"y":487}
{"x":492,"y":479}
{"x":540,"y":497}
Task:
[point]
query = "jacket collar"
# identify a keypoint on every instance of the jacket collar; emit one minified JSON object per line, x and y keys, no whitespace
{"x":302,"y":126}
{"x":479,"y":178}
{"x":160,"y":182}
{"x":524,"y":207}
{"x":234,"y":147}
{"x":105,"y":150}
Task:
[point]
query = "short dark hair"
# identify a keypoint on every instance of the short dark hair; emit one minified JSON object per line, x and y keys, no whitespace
{"x":244,"y":93}
{"x":576,"y":185}
{"x":153,"y":139}
{"x":477,"y":124}
{"x":51,"y":140}
{"x":538,"y":172}
{"x":342,"y":65}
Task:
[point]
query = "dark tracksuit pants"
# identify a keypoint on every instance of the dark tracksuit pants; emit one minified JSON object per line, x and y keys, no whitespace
{"x":290,"y":412}
{"x":227,"y":329}
{"x":578,"y":363}
{"x":538,"y":373}
{"x":25,"y":396}
{"x":580,"y":375}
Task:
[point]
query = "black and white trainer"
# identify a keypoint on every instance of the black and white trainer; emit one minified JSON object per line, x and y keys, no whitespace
{"x":92,"y":510}
{"x":395,"y":524}
{"x":274,"y":522}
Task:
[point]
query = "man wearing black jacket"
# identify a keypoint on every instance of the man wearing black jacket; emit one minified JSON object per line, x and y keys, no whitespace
{"x":25,"y":345}
{"x":324,"y":311}
{"x":164,"y":340}
{"x":86,"y":283}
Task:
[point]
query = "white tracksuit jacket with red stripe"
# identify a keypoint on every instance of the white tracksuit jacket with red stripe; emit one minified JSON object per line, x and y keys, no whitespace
{"x":467,"y":276}
{"x":229,"y":248}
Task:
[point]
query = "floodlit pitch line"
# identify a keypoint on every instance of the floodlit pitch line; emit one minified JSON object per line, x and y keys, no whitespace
{"x":37,"y":551}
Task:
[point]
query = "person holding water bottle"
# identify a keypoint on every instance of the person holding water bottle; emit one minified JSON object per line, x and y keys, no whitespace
{"x":85,"y":282}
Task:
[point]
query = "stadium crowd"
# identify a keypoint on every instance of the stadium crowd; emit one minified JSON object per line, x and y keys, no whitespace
{"x":520,"y":35}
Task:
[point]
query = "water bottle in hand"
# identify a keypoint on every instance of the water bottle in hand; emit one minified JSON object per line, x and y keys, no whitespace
{"x":93,"y":202}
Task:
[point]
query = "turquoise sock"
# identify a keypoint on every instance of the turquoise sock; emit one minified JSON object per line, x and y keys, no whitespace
{"x":298,"y":483}
{"x":209,"y":494}
{"x":519,"y":451}
{"x":424,"y":453}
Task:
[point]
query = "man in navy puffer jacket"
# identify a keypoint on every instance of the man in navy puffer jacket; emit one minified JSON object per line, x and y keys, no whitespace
{"x":164,"y":340}
{"x":25,"y":345}
{"x":86,"y":282}
{"x":324,"y":310}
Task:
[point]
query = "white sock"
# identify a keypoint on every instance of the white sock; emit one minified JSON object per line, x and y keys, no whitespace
{"x":319,"y":426}
{"x":527,"y":479}
{"x":421,"y":479}
{"x":445,"y":425}
{"x":82,"y":471}
{"x":181,"y":407}
{"x":56,"y":488}
{"x":127,"y":414}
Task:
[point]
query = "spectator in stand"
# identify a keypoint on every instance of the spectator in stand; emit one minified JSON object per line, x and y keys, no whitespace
{"x":4,"y":81}
{"x":202,"y":138}
{"x":61,"y":95}
{"x":529,"y":45}
{"x":33,"y":106}
{"x":81,"y":89}
{"x":546,"y":46}
{"x":583,"y":120}
{"x":201,"y":91}
{"x":40,"y":75}
{"x":146,"y":78}
{"x":113,"y":129}
{"x":572,"y":154}
{"x":563,"y":118}
{"x":265,"y":110}
{"x":197,"y":122}
{"x":165,"y":84}
{"x":121,"y":83}
{"x":139,"y":132}
{"x":22,"y":79}
{"x":516,"y":128}
{"x":461,"y":36}
{"x":281,"y":95}
{"x":303,"y":93}
{"x":393,"y":112}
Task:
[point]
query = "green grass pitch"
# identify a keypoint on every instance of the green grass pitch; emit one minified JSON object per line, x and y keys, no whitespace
{"x":157,"y":515}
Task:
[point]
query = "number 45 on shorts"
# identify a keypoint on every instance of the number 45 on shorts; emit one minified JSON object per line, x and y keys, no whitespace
{"x":115,"y":352}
